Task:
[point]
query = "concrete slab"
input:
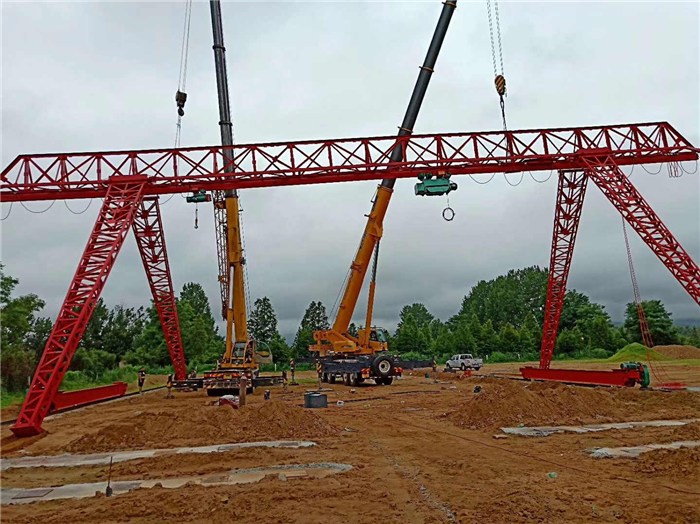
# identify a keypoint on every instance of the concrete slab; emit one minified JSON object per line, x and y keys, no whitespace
{"x":236,"y":476}
{"x":96,"y":459}
{"x":545,"y":431}
{"x":635,"y":451}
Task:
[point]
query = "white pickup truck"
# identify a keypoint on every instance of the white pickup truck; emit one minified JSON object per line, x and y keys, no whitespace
{"x":463,"y":362}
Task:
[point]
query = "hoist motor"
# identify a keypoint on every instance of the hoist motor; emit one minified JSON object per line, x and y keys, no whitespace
{"x":434,"y":185}
{"x":198,"y":197}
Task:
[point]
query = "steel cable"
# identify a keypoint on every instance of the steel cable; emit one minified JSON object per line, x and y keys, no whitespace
{"x":522,"y":175}
{"x":65,"y":202}
{"x":8,"y":213}
{"x":38,"y":212}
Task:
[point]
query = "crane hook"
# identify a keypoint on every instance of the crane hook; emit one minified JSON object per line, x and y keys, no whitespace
{"x":196,"y":216}
{"x":448,"y":214}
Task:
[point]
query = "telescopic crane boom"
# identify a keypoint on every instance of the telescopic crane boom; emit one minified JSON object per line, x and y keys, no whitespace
{"x":337,"y":341}
{"x":239,"y":355}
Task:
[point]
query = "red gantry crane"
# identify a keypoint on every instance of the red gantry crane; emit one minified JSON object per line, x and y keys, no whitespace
{"x":130,"y":182}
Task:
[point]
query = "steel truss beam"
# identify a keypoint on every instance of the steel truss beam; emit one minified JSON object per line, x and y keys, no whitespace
{"x":567,"y":215}
{"x":150,"y":239}
{"x":113,"y":222}
{"x":85,"y":175}
{"x":607,"y":175}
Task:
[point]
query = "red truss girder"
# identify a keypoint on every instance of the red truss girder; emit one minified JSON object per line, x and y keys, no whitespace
{"x":567,"y":215}
{"x":86,"y":175}
{"x":150,"y":240}
{"x":615,"y":185}
{"x":116,"y":216}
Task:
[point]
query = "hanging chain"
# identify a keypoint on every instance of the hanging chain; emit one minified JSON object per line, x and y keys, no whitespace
{"x":499,"y":75}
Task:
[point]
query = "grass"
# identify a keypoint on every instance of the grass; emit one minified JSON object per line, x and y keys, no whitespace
{"x":75,"y":380}
{"x":636,"y":353}
{"x":9,"y":399}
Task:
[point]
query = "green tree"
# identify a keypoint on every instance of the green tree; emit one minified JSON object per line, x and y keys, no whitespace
{"x":93,"y":337}
{"x":661,"y":326}
{"x":420,"y":315}
{"x":315,"y":319}
{"x":201,"y":341}
{"x":262,"y":322}
{"x":121,"y":330}
{"x":17,"y":316}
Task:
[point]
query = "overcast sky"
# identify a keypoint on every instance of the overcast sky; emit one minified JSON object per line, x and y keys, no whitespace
{"x":102,"y":76}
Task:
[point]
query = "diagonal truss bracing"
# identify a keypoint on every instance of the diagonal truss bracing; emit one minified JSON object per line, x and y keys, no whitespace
{"x":615,"y":185}
{"x":150,"y":239}
{"x":567,"y":216}
{"x":113,"y":222}
{"x":84,"y":175}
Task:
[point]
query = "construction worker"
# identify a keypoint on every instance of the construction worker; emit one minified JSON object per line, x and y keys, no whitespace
{"x":142,"y":379}
{"x":292,"y":367}
{"x":169,"y":385}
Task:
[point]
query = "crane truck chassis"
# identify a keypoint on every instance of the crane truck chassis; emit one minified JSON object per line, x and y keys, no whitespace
{"x":355,"y":369}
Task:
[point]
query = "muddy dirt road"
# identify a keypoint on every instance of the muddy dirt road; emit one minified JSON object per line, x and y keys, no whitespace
{"x":421,"y":450}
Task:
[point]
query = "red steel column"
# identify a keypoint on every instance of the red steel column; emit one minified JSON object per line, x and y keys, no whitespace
{"x":116,"y":216}
{"x":570,"y":193}
{"x":615,"y":185}
{"x":148,"y":229}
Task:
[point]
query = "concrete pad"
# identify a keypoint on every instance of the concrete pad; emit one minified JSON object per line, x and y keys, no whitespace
{"x":545,"y":431}
{"x":236,"y":476}
{"x":635,"y":451}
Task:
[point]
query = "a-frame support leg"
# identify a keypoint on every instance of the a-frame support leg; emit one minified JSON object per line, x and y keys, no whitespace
{"x":570,"y":194}
{"x":615,"y":185}
{"x":148,"y":230}
{"x":103,"y":246}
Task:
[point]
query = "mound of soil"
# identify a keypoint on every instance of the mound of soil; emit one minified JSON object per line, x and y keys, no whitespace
{"x":503,"y":402}
{"x":205,"y":425}
{"x":681,"y":463}
{"x":678,"y":352}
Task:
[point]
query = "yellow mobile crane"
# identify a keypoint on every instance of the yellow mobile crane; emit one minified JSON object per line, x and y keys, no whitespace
{"x":241,"y":358}
{"x":340,"y":354}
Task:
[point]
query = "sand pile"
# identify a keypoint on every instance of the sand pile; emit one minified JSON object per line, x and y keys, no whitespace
{"x":509,"y":403}
{"x":203,"y":425}
{"x":678,"y":352}
{"x":675,"y":463}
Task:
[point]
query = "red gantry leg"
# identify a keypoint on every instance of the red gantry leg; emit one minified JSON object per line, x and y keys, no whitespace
{"x":107,"y":237}
{"x":148,"y":229}
{"x":570,"y":193}
{"x":615,"y":185}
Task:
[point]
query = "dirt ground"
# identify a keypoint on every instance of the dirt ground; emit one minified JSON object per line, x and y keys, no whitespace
{"x":422,"y":450}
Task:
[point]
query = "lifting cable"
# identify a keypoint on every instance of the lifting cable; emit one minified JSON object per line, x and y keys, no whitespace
{"x":181,"y":95}
{"x":499,"y":76}
{"x":643,"y":325}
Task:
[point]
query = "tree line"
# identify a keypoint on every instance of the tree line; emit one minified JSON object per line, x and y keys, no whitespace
{"x":500,"y":319}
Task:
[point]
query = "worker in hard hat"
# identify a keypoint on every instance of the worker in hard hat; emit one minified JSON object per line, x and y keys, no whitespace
{"x":141,"y":379}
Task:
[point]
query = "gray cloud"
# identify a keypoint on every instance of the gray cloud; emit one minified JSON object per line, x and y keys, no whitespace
{"x":101,"y":76}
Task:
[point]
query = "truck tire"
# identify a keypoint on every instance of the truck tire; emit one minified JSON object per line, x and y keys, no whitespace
{"x":388,"y":381}
{"x":383,"y":366}
{"x":464,"y":368}
{"x":331,"y":378}
{"x":352,"y":379}
{"x":324,"y":378}
{"x":346,"y":379}
{"x":448,"y":367}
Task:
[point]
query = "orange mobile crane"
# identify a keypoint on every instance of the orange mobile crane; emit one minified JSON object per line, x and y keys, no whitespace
{"x":356,"y":358}
{"x":241,"y":357}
